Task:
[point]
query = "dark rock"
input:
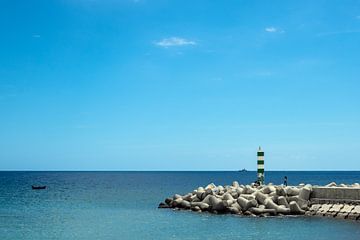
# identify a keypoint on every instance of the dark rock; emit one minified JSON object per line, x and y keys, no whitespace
{"x":163,"y":205}
{"x":168,"y":201}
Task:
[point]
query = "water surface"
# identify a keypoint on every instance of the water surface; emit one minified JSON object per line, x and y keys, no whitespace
{"x":123,"y":205}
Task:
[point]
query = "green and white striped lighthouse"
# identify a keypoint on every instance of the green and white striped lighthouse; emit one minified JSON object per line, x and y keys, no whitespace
{"x":260,"y":167}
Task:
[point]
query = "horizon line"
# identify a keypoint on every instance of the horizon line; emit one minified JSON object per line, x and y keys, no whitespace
{"x":106,"y":170}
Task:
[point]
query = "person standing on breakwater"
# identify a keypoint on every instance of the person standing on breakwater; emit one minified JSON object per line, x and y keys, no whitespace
{"x":285,"y":181}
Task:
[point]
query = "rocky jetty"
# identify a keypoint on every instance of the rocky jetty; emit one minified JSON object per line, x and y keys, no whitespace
{"x":254,"y":200}
{"x":264,"y":200}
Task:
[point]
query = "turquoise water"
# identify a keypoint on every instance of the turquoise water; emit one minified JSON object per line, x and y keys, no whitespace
{"x":123,"y":205}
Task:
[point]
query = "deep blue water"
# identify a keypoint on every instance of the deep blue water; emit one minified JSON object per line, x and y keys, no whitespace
{"x":123,"y":205}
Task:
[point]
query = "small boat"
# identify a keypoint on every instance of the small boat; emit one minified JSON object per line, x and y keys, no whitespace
{"x":38,"y":187}
{"x":243,"y":170}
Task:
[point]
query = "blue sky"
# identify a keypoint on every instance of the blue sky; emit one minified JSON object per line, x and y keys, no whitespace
{"x":179,"y":85}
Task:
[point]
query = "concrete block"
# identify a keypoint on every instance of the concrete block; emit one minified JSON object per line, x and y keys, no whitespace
{"x":318,"y":213}
{"x":304,"y":193}
{"x":330,"y":214}
{"x":315,"y":207}
{"x":353,"y":216}
{"x":342,"y":215}
{"x":336,"y":208}
{"x":324,"y":208}
{"x":347,"y":208}
{"x":356,"y":209}
{"x":332,"y":184}
{"x":308,"y":213}
{"x":336,"y":193}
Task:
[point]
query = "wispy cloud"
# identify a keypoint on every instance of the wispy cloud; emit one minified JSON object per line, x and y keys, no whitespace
{"x":274,"y":30}
{"x":174,"y":41}
{"x":36,"y":36}
{"x":358,"y":17}
{"x":270,"y":29}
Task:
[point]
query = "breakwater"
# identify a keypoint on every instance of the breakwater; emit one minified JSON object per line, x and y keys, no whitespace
{"x":339,"y":201}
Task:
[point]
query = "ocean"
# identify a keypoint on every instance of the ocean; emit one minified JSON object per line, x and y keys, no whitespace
{"x":123,"y":205}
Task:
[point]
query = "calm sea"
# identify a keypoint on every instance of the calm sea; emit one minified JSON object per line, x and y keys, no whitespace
{"x":123,"y":205}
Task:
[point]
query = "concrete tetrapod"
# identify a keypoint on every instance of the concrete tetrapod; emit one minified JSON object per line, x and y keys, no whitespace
{"x":176,"y":202}
{"x":282,"y":201}
{"x":280,"y":191}
{"x":304,"y":193}
{"x":185,"y":204}
{"x":203,"y":206}
{"x":295,"y":209}
{"x":269,"y":204}
{"x":246,"y":204}
{"x":258,"y":211}
{"x":227,"y":196}
{"x":234,"y":210}
{"x":216,"y":204}
{"x":261,"y":197}
{"x":235,"y":184}
{"x":269,"y":200}
{"x":268,"y":189}
{"x":301,"y":202}
{"x":292,"y":191}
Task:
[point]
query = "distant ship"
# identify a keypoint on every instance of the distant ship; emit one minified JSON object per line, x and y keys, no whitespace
{"x":243,"y":170}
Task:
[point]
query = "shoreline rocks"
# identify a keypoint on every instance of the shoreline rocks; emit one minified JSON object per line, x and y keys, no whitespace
{"x":264,"y":200}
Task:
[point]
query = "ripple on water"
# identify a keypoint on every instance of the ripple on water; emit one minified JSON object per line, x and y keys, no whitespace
{"x":123,"y":205}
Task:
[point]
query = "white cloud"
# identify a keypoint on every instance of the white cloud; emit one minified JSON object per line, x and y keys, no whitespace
{"x":271,"y":29}
{"x":174,"y":41}
{"x":274,"y":30}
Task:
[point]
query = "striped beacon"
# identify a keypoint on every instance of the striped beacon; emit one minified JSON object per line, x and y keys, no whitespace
{"x":260,"y":167}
